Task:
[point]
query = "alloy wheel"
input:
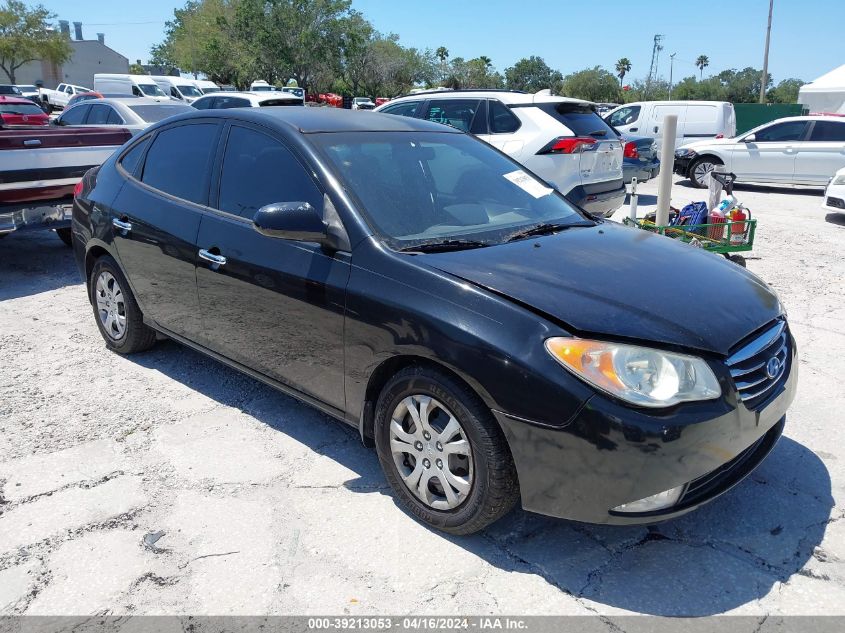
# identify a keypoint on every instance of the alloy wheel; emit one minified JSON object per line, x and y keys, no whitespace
{"x":431,"y":452}
{"x":700,"y":171}
{"x":111,"y":307}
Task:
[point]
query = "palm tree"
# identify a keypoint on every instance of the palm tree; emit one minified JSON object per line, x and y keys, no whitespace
{"x":623,"y":66}
{"x":702,"y":62}
{"x":442,"y":54}
{"x":486,"y":61}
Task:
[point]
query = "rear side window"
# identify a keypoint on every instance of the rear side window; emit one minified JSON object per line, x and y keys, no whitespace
{"x":407,"y":108}
{"x":828,"y":131}
{"x":781,"y":132}
{"x":231,"y":102}
{"x":624,"y":116}
{"x":114,"y":117}
{"x":178,"y":161}
{"x":459,"y":113}
{"x":502,"y":120}
{"x":579,"y":118}
{"x":204,"y":104}
{"x":130,"y":159}
{"x":98,"y":115}
{"x":259,"y":170}
{"x":155,"y":113}
{"x":76,"y":115}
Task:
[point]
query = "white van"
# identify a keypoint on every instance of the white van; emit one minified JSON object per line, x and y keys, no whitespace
{"x":697,"y":120}
{"x":178,"y":88}
{"x":137,"y":85}
{"x":205,"y":86}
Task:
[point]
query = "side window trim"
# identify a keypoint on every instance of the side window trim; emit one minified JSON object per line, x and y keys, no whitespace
{"x":138,"y":177}
{"x":140,"y":166}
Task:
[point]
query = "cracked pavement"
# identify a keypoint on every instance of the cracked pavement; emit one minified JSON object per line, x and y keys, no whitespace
{"x":166,"y":483}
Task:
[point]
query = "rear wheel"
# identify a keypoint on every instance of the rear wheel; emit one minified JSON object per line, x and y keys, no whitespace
{"x":117,"y":314}
{"x":442,"y":452}
{"x":700,"y":168}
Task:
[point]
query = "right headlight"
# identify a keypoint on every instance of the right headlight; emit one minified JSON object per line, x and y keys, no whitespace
{"x":684,"y":153}
{"x":640,"y":375}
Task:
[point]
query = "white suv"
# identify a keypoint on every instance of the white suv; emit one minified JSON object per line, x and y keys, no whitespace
{"x":561,"y":140}
{"x":222,"y":99}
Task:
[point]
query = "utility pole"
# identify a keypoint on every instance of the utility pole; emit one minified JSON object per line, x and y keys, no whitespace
{"x":765,"y":77}
{"x":652,"y":72}
{"x":671,"y":72}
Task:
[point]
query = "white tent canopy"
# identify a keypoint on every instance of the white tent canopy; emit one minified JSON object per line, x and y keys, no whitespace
{"x":825,"y":94}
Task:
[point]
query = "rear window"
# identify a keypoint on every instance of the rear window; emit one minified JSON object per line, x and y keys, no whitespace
{"x":20,"y":108}
{"x":580,"y":118}
{"x":281,"y":102}
{"x":154,"y":113}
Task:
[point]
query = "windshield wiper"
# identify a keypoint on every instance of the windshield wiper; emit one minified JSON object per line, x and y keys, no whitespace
{"x":445,"y":245}
{"x":539,"y":229}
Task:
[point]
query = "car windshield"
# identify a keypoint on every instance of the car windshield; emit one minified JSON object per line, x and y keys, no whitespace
{"x":263,"y":88}
{"x":152,"y":90}
{"x":28,"y":88}
{"x":154,"y":113}
{"x":189,"y":91}
{"x":206,"y":91}
{"x":420,"y":188}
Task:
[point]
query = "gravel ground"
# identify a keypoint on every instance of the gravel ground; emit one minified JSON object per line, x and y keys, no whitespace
{"x":166,"y":483}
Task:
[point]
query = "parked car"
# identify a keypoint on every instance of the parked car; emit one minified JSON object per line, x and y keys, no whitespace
{"x":412,"y":281}
{"x":261,"y":86}
{"x":381,"y":100}
{"x":561,"y":139}
{"x":178,"y":88}
{"x":206,"y":86}
{"x":223,"y":100}
{"x":696,"y":119}
{"x":299,"y":92}
{"x":834,"y":195}
{"x":363,"y":103}
{"x":133,"y":113}
{"x":129,"y":85}
{"x":805,"y":150}
{"x":40,"y":168}
{"x":641,"y":158}
{"x":29,"y":92}
{"x":58,"y":99}
{"x":87,"y":96}
{"x":21,"y":111}
{"x":10,"y":90}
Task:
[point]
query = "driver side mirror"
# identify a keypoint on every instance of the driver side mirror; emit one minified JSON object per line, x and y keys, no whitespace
{"x":297,"y":221}
{"x":751,"y":138}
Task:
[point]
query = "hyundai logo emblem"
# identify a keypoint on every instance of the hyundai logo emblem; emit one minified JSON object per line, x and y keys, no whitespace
{"x":773,"y":367}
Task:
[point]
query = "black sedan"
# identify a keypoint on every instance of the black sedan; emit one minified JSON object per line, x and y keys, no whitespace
{"x":495,"y":343}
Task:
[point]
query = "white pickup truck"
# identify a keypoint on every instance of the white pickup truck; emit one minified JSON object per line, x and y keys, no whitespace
{"x":58,"y":98}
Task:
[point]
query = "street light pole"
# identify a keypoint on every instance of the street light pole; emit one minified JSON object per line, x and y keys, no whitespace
{"x":765,"y":76}
{"x":671,"y":69}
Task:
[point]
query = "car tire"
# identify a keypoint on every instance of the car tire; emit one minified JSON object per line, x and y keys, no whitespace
{"x":115,"y":310}
{"x":699,"y":169}
{"x":478,"y":468}
{"x":65,"y":236}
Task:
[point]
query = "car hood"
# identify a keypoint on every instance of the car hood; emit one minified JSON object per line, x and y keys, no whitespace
{"x":615,"y":281}
{"x":710,"y":142}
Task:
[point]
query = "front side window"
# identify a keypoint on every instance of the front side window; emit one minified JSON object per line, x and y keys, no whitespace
{"x":178,"y":162}
{"x":828,"y":131}
{"x":259,"y":170}
{"x":204,"y":104}
{"x":407,"y":108}
{"x":459,"y":113}
{"x":231,"y":102}
{"x":624,"y":116}
{"x":427,"y":187}
{"x":781,"y":132}
{"x":75,"y":115}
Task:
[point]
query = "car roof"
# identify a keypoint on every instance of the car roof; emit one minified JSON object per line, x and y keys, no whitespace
{"x":130,"y":100}
{"x":510,"y":97}
{"x":309,"y":120}
{"x":261,"y":95}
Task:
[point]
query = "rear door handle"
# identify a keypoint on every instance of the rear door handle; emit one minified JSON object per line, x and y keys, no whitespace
{"x":216,"y":260}
{"x":655,"y":128}
{"x":32,"y":142}
{"x":634,"y":129}
{"x":122,"y":226}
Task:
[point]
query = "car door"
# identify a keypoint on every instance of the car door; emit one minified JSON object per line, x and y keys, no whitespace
{"x":823,"y":153}
{"x":156,"y":218}
{"x":626,"y":119}
{"x":501,"y":128}
{"x":654,"y":127}
{"x":273,"y":305}
{"x":767,"y":154}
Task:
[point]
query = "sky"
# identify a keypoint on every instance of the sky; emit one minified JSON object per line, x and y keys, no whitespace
{"x":807,"y":37}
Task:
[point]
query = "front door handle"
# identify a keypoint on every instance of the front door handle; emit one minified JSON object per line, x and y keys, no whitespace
{"x":216,"y":260}
{"x":634,"y":129}
{"x":32,"y":142}
{"x":120,"y":225}
{"x":655,"y":128}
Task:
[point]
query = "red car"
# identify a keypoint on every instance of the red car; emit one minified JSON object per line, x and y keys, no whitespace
{"x":20,"y":111}
{"x":83,"y":96}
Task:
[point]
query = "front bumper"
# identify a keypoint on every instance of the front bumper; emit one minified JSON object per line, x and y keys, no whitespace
{"x":35,"y":216}
{"x":681,"y":166}
{"x":610,"y":454}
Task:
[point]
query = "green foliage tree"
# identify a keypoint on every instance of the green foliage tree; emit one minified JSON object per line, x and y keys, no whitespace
{"x":532,"y":74}
{"x":786,"y":91}
{"x":623,"y":67}
{"x":592,"y":84}
{"x":26,"y":35}
{"x":742,"y":86}
{"x":137,"y":69}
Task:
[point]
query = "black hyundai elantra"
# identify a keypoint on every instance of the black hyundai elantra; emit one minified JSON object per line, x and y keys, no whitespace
{"x":495,"y":343}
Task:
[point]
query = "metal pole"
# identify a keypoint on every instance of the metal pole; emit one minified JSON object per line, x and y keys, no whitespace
{"x":632,"y":209}
{"x":671,"y":72}
{"x":667,"y":159}
{"x":764,"y":78}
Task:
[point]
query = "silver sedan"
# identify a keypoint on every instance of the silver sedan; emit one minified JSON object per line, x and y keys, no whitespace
{"x":132,"y":113}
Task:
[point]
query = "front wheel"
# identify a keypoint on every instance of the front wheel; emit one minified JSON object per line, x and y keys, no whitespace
{"x":117,"y":314}
{"x":700,"y":169}
{"x":442,"y":452}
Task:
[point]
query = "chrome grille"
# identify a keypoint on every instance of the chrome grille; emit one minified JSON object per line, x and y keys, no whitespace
{"x":750,"y":365}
